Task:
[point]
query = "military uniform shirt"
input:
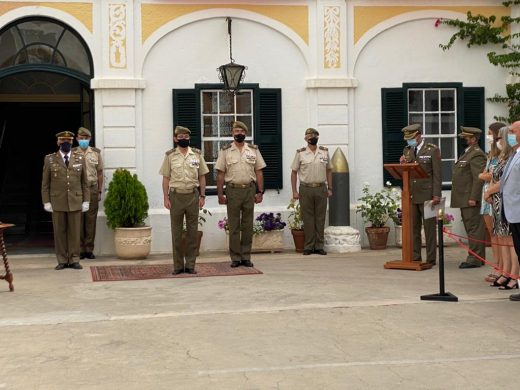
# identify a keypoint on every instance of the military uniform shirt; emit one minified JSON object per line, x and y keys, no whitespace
{"x":183,"y":170}
{"x":312,"y":167}
{"x":93,"y":161}
{"x":240,"y":167}
{"x":429,"y":158}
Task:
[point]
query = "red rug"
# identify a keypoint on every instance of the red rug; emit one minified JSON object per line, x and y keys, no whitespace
{"x":112,"y":273}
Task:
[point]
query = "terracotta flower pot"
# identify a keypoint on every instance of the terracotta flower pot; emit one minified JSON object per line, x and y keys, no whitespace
{"x":377,"y":236}
{"x":299,"y":239}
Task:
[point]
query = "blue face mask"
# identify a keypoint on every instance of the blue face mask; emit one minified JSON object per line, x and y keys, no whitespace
{"x":511,"y":139}
{"x":412,"y":142}
{"x":83,"y":143}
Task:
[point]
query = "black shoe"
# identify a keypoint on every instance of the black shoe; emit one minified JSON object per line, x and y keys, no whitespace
{"x":514,"y":297}
{"x":177,"y":271}
{"x":465,"y":265}
{"x":320,"y":252}
{"x":60,"y":266}
{"x":90,"y":255}
{"x":235,"y":263}
{"x":190,"y":271}
{"x":307,"y":252}
{"x":82,"y":255}
{"x":75,"y":266}
{"x":246,"y":263}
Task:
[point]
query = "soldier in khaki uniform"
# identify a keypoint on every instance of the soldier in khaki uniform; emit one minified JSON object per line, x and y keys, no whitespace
{"x":94,"y":164}
{"x":65,"y":194}
{"x":429,"y":188}
{"x":239,"y":166}
{"x":184,"y":186}
{"x":466,"y":193}
{"x":312,"y":165}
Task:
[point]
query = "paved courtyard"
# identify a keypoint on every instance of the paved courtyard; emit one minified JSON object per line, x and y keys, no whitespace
{"x":313,"y":322}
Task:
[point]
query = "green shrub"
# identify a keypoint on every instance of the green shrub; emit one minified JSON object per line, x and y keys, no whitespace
{"x":126,"y":203}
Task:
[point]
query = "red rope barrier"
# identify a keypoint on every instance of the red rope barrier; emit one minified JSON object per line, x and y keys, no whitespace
{"x":474,"y":239}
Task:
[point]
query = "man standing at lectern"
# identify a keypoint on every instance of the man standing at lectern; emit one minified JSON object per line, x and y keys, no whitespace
{"x":423,"y":189}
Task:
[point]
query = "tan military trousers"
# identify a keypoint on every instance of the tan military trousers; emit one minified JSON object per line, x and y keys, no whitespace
{"x":429,"y":232}
{"x":240,"y":212}
{"x":475,"y":229}
{"x":184,"y":205}
{"x":88,"y":221}
{"x":313,"y":206}
{"x":65,"y":225}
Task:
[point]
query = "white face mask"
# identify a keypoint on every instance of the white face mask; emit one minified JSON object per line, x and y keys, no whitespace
{"x":499,"y":145}
{"x":489,"y":138}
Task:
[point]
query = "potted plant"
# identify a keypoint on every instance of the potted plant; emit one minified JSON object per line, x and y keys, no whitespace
{"x":126,"y":208}
{"x":377,"y":208}
{"x":202,"y":220}
{"x":295,"y":222}
{"x":267,"y":232}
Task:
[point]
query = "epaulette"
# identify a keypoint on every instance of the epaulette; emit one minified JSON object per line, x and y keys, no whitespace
{"x":169,"y":152}
{"x":432,"y":146}
{"x":252,"y":146}
{"x":95,"y":149}
{"x":301,"y":150}
{"x":323,"y":148}
{"x":226,"y":146}
{"x":198,"y":151}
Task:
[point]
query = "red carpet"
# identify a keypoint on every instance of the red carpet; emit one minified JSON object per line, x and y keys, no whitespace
{"x":112,"y":273}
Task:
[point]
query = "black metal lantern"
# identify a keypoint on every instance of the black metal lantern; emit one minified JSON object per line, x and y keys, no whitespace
{"x":231,"y":74}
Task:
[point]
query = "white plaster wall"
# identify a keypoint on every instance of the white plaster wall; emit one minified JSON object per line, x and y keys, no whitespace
{"x":191,"y":54}
{"x":409,"y":52}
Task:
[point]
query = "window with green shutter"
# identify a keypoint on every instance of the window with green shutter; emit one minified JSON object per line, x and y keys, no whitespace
{"x":208,"y":112}
{"x":440,"y":108}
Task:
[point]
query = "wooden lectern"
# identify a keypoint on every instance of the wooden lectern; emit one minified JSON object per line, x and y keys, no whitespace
{"x":8,"y":277}
{"x":406,"y":172}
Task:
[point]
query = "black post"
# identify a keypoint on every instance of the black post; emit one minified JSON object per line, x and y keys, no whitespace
{"x":442,"y":295}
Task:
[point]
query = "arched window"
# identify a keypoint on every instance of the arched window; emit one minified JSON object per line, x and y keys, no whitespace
{"x":41,"y":43}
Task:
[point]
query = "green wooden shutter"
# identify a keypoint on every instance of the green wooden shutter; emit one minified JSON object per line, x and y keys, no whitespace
{"x":186,"y":112}
{"x":268,"y":134}
{"x":394,"y":119}
{"x":473,"y":98}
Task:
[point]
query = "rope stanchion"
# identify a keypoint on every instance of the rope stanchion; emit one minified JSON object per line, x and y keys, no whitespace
{"x":465,"y":247}
{"x":442,"y":296}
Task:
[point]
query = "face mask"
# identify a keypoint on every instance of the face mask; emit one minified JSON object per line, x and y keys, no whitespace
{"x":511,"y":139}
{"x":412,"y":142}
{"x":65,"y":147}
{"x":489,"y":139}
{"x":183,"y":143}
{"x":499,"y":145}
{"x":83,"y":143}
{"x":312,"y":141}
{"x":240,"y":138}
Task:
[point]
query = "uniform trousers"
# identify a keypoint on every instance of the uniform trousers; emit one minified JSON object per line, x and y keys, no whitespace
{"x":474,"y":225}
{"x":313,"y":206}
{"x":240,"y":211}
{"x":429,"y":232}
{"x":184,"y":205}
{"x":65,"y":225}
{"x":88,"y":221}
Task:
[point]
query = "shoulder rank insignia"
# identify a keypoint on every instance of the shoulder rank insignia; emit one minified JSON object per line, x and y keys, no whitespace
{"x":226,"y":146}
{"x":195,"y":150}
{"x":253,"y":146}
{"x":301,"y":150}
{"x":169,"y":152}
{"x":323,"y":148}
{"x":95,"y":149}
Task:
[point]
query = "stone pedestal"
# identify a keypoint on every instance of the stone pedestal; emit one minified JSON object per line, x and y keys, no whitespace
{"x":342,"y":239}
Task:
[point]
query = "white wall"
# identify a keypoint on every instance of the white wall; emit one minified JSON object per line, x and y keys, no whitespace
{"x":191,"y":54}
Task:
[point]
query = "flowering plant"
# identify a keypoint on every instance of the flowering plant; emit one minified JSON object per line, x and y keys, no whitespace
{"x":398,"y":220}
{"x":295,"y":217}
{"x":447,"y":219}
{"x":379,"y":207}
{"x":263,"y":223}
{"x":223,"y":224}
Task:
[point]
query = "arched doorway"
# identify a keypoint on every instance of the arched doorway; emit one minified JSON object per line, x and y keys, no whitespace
{"x":45,"y":73}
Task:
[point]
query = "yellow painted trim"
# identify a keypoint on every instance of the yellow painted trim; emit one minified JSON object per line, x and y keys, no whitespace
{"x":81,"y":11}
{"x":296,"y":17}
{"x":366,"y":18}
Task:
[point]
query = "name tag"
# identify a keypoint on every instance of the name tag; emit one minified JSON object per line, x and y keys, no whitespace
{"x":76,"y":166}
{"x":324,"y":159}
{"x":425,"y":157}
{"x":194,"y":163}
{"x":251,"y":158}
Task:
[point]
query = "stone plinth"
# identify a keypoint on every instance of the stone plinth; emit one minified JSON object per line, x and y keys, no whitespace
{"x":342,"y":239}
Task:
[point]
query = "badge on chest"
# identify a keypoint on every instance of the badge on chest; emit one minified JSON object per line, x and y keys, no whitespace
{"x":194,"y":163}
{"x":250,"y":157}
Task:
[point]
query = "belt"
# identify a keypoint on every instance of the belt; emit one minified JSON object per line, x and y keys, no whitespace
{"x":181,"y":191}
{"x":233,"y":185}
{"x":312,"y":185}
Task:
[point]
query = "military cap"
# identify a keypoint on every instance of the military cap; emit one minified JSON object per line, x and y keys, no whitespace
{"x":310,"y":130}
{"x":182,"y":130}
{"x":411,"y":131}
{"x":65,"y":134}
{"x":84,"y":131}
{"x":469,"y":132}
{"x":239,"y":125}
